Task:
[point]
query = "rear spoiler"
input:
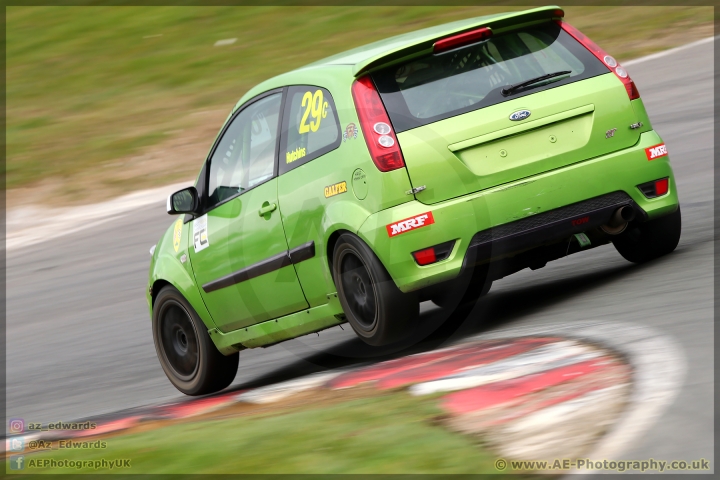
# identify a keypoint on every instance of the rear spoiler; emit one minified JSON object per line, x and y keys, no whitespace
{"x":423,"y":44}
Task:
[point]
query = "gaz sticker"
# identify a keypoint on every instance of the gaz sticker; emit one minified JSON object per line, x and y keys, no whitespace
{"x":418,"y":221}
{"x":316,"y":108}
{"x":656,"y":152}
{"x":177,"y":234}
{"x":200,"y":233}
{"x":336,"y":189}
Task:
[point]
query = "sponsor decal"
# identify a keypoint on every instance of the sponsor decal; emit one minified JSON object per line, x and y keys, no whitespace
{"x":656,"y":152}
{"x":519,"y":115}
{"x":200,"y":233}
{"x":335,"y":189}
{"x":580,"y":221}
{"x":293,"y":155}
{"x":351,"y":131}
{"x":177,"y":234}
{"x":411,"y":223}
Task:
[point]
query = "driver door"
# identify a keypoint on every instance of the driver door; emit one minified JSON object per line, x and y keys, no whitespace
{"x":239,"y":243}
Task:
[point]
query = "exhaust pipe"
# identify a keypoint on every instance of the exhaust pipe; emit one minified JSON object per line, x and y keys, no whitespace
{"x":619,"y":220}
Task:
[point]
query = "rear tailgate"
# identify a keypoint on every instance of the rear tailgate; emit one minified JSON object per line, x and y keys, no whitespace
{"x":457,"y":130}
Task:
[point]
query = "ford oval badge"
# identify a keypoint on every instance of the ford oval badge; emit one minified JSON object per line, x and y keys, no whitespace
{"x":519,"y":115}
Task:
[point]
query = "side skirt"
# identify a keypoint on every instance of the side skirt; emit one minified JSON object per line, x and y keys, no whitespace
{"x":280,"y":329}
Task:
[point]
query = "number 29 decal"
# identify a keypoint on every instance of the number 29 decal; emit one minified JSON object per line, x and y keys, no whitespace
{"x":315,"y":107}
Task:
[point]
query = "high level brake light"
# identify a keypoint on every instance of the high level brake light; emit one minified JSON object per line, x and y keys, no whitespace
{"x":621,"y":73}
{"x":375,"y":124}
{"x":461,"y":39}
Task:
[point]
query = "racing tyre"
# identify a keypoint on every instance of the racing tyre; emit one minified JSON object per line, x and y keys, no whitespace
{"x":186,"y":352}
{"x":376,"y":309}
{"x":465,"y":290}
{"x":646,"y":241}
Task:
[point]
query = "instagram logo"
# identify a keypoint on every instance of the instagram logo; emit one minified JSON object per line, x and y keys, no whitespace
{"x":17,"y":425}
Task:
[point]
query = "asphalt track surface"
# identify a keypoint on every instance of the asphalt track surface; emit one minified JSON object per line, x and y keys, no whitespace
{"x":78,"y":332}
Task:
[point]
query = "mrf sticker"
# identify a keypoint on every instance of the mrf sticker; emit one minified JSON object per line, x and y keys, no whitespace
{"x":200,"y":233}
{"x":177,"y":234}
{"x":412,"y":223}
{"x":656,"y":152}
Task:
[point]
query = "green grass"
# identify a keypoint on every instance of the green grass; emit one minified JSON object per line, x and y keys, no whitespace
{"x":90,"y":88}
{"x":387,"y":433}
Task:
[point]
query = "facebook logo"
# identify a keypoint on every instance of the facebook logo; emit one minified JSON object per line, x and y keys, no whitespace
{"x":17,"y":462}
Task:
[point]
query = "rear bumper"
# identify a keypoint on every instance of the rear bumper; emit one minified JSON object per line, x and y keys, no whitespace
{"x":498,"y":219}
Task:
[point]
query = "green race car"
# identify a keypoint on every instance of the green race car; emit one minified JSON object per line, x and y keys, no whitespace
{"x":422,"y":167}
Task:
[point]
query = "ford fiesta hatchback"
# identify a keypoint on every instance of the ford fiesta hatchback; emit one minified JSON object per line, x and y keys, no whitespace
{"x":422,"y":167}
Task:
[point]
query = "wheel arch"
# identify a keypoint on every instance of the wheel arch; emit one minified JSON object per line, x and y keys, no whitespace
{"x":331,"y":242}
{"x":167,"y":270}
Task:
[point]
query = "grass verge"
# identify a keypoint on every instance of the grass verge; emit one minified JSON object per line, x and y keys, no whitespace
{"x":350,"y":433}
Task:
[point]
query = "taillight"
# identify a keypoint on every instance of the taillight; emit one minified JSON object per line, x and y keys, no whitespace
{"x":434,"y":254}
{"x":461,"y":39}
{"x":611,"y":63}
{"x":655,"y":188}
{"x":376,"y":127}
{"x":425,"y":257}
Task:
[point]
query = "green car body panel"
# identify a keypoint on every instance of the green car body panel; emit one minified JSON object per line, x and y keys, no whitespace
{"x":472,"y":171}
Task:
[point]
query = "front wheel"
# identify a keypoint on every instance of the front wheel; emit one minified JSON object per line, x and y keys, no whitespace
{"x":186,"y":353}
{"x":646,"y":241}
{"x":376,"y":309}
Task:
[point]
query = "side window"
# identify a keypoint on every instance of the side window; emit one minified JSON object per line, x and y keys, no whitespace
{"x":245,"y":155}
{"x":310,"y":126}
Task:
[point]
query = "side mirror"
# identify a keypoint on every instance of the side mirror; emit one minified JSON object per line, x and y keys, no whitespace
{"x":183,"y":201}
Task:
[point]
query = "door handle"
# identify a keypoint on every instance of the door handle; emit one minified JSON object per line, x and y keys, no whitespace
{"x":267,"y":208}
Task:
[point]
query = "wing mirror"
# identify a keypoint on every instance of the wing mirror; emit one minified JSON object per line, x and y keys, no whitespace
{"x":183,"y":201}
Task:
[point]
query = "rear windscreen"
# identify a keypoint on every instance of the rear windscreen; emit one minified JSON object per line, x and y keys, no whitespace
{"x":440,"y":86}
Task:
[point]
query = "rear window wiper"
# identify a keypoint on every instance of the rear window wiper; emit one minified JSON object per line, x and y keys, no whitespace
{"x":513,"y":88}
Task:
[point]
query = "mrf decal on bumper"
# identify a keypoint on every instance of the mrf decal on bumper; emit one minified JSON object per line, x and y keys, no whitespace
{"x":656,"y":152}
{"x":412,"y":223}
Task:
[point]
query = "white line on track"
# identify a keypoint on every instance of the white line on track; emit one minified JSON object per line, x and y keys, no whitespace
{"x":31,"y":225}
{"x":665,"y":53}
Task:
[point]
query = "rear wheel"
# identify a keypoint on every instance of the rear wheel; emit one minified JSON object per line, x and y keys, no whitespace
{"x":465,"y":290}
{"x":186,"y":353}
{"x":375,"y":308}
{"x":642,"y":242}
